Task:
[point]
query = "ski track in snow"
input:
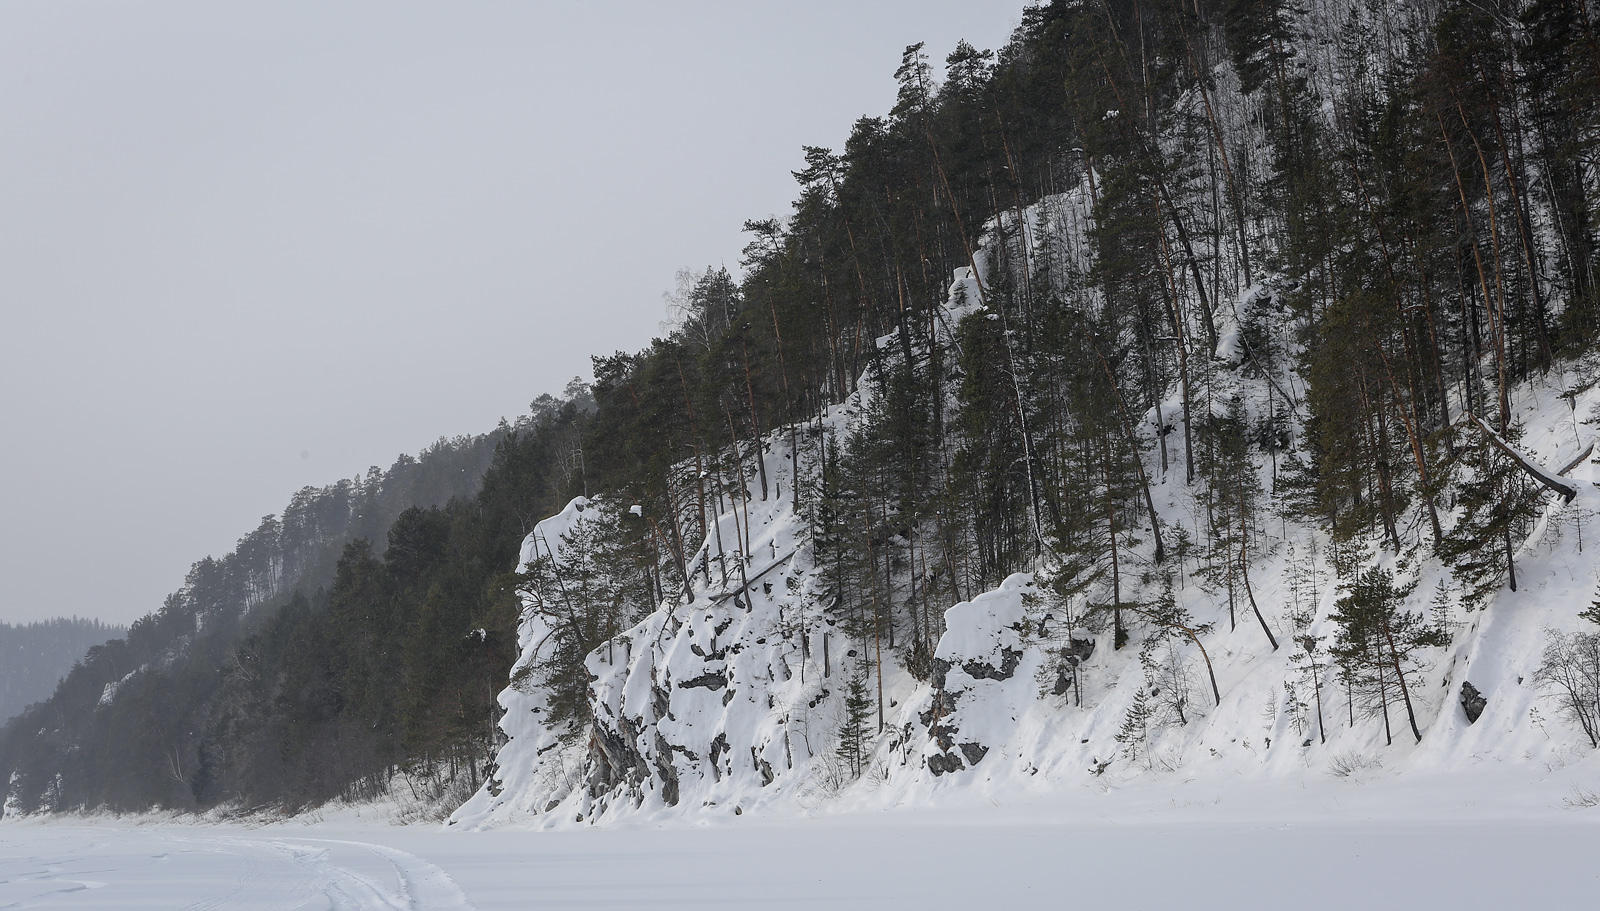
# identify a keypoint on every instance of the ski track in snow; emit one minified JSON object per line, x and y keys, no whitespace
{"x":199,"y":869}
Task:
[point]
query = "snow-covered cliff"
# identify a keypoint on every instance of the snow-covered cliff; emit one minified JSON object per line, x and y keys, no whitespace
{"x":734,"y":702}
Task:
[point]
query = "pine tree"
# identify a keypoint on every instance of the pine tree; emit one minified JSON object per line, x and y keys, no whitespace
{"x":1497,"y":506}
{"x":1379,"y":641}
{"x":854,"y":730}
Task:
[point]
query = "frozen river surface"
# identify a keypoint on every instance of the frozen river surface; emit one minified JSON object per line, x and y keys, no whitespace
{"x":906,"y":862}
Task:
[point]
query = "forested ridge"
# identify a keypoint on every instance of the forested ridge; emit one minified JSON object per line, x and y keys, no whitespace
{"x":1380,"y":214}
{"x":141,"y":721}
{"x":34,"y":656}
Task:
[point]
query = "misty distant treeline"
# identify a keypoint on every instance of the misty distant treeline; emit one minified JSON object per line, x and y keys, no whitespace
{"x":126,"y":726}
{"x":1383,"y":212}
{"x":35,"y":656}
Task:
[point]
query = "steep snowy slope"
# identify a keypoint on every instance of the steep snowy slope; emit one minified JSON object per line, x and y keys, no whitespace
{"x":735,"y":702}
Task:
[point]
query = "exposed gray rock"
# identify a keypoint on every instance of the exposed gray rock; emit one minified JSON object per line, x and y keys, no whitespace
{"x":719,"y":745}
{"x":614,"y":759}
{"x":708,"y":680}
{"x":940,"y":763}
{"x":667,"y":770}
{"x":982,"y":670}
{"x":974,"y":752}
{"x":1472,"y":701}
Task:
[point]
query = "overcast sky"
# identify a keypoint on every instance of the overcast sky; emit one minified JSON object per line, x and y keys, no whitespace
{"x":249,"y":247}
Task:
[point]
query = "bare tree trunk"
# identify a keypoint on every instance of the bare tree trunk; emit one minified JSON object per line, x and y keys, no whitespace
{"x":1495,"y":331}
{"x":1244,"y":572}
{"x":743,"y":488}
{"x":1183,"y":356}
{"x":1133,"y":449}
{"x":1119,"y":636}
{"x":755,"y":420}
{"x":1234,"y":195}
{"x":1405,"y":691}
{"x":1527,"y":465}
{"x":877,"y":614}
{"x":1413,"y":434}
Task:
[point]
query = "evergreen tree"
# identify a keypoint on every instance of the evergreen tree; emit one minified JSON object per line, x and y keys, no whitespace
{"x":854,"y":734}
{"x":1378,"y":643}
{"x":1497,"y":506}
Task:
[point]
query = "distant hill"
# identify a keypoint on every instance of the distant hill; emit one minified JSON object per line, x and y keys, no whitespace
{"x":35,"y":656}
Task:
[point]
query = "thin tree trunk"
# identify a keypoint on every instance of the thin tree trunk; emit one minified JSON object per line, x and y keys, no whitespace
{"x":1483,"y":281}
{"x":1133,"y":450}
{"x":1244,"y":573}
{"x":1119,"y":636}
{"x":1405,"y":692}
{"x":755,"y":420}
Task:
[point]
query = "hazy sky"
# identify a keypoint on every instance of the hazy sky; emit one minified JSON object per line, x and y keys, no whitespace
{"x":249,"y":247}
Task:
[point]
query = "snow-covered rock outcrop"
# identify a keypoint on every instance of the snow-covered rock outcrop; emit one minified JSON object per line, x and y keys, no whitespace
{"x":733,"y":702}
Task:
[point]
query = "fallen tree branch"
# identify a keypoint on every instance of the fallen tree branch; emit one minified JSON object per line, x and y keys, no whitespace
{"x":1529,"y":466}
{"x":1576,"y":462}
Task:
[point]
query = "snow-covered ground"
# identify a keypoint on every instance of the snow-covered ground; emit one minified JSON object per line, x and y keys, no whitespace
{"x":1493,"y":837}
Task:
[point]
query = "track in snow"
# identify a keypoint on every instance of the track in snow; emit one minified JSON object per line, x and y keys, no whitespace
{"x":195,"y":869}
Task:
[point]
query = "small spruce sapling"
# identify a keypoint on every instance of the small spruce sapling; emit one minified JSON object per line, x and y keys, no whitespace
{"x":1134,"y":735}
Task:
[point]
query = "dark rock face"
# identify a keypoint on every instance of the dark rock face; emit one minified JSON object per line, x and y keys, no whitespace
{"x":982,"y":670}
{"x":1472,"y":701}
{"x":614,"y":760}
{"x":940,"y":763}
{"x":667,"y":771}
{"x":1076,"y":653}
{"x":764,"y":767}
{"x":708,"y":680}
{"x":944,"y":705}
{"x":719,"y":745}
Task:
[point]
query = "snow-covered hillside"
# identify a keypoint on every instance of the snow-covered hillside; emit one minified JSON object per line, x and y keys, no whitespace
{"x":734,"y":702}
